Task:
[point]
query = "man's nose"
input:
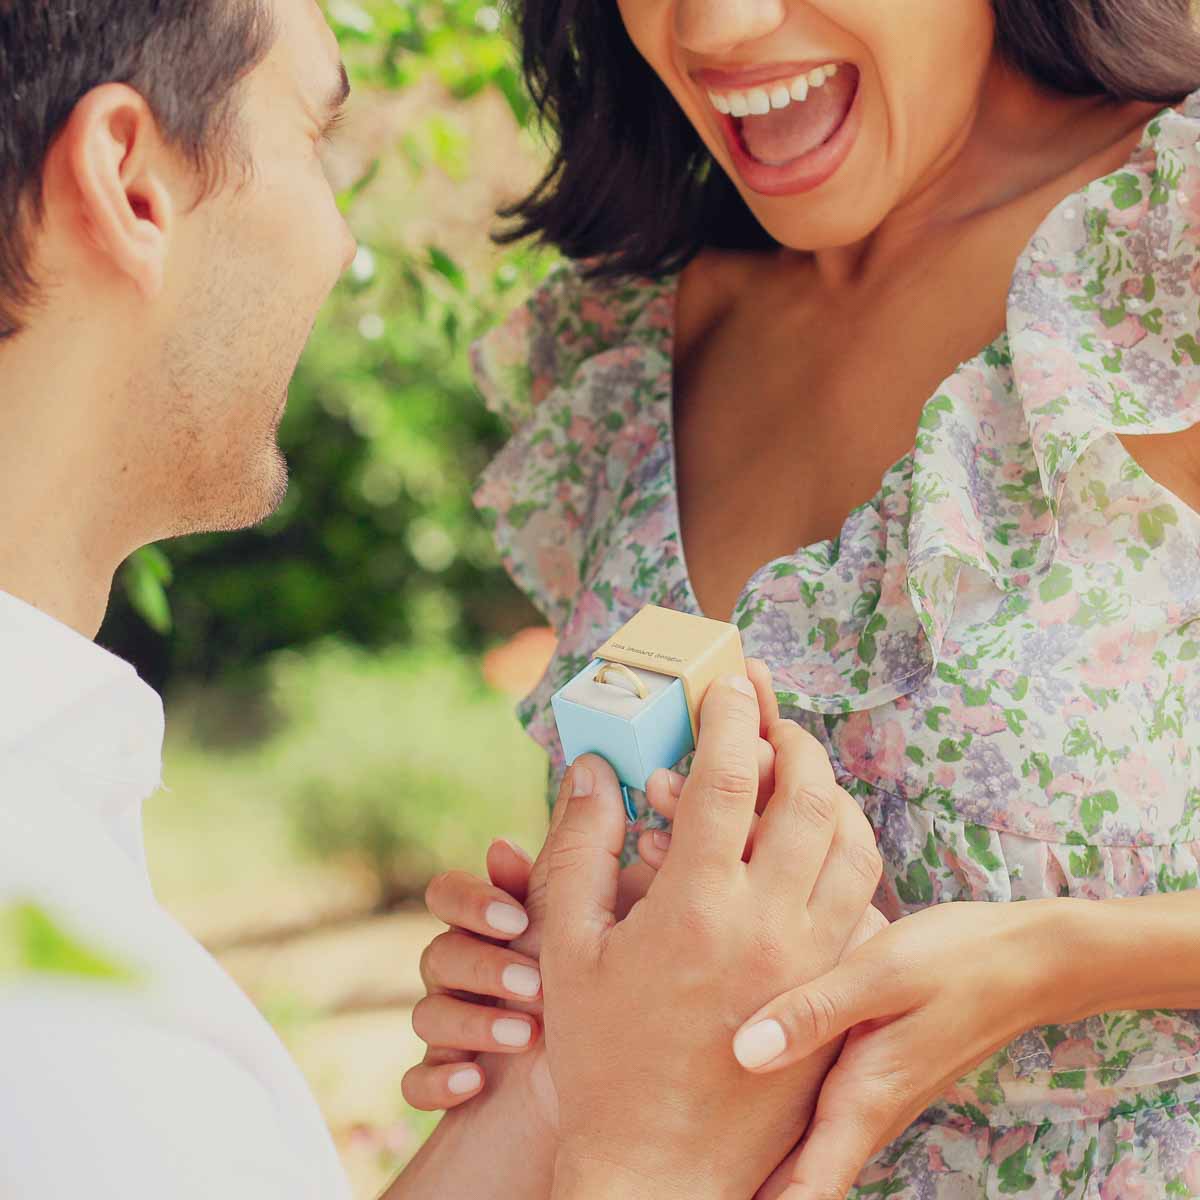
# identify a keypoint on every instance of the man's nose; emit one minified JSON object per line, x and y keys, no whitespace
{"x":716,"y":27}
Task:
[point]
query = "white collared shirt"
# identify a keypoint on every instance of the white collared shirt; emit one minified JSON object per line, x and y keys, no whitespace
{"x":173,"y":1086}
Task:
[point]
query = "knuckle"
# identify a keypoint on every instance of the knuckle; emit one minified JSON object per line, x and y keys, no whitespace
{"x":730,"y":783}
{"x":814,"y":1014}
{"x":866,"y":862}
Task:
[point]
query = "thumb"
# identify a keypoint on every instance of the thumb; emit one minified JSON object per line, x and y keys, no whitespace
{"x":583,"y":856}
{"x":799,"y":1022}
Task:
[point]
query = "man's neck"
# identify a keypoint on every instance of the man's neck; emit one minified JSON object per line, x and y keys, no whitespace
{"x":61,"y":533}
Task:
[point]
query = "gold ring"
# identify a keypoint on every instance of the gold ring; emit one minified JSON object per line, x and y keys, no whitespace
{"x":639,"y":687}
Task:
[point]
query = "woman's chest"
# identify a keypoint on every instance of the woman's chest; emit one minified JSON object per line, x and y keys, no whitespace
{"x":782,"y":428}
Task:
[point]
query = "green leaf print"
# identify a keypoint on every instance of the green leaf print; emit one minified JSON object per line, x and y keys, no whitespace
{"x":974,"y":697}
{"x":614,"y":421}
{"x":930,"y":853}
{"x":1085,"y":864}
{"x":916,"y":754}
{"x":1113,"y":316}
{"x":1014,"y":1174}
{"x":1041,"y":764}
{"x":519,"y":514}
{"x":1126,"y":190}
{"x":1188,"y":345}
{"x":1056,"y":584}
{"x":867,"y":648}
{"x":931,"y":417}
{"x":1020,"y":688}
{"x":1092,"y":809}
{"x":1073,"y":1080}
{"x":1168,"y":882}
{"x":949,"y":751}
{"x":1152,"y":524}
{"x":1188,"y":651}
{"x":979,"y":848}
{"x":949,"y":673}
{"x":933,"y":718}
{"x":916,"y":887}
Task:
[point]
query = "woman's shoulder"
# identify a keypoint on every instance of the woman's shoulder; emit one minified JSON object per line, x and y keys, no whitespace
{"x":573,"y":316}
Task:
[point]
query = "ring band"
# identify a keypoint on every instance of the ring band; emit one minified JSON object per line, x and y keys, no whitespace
{"x":639,"y":687}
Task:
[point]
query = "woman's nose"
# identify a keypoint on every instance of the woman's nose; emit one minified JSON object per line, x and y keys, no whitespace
{"x":713,"y":27}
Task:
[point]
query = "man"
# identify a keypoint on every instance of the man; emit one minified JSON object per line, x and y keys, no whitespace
{"x":166,"y":238}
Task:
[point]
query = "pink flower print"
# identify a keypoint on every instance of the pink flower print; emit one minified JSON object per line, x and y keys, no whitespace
{"x":983,"y":719}
{"x":1132,"y":286}
{"x":1191,"y":1173}
{"x":937,"y":1164}
{"x":1070,"y":784}
{"x":1077,"y":707}
{"x":583,"y":433}
{"x":495,"y":492}
{"x":1057,"y":612}
{"x":1119,"y":659}
{"x":593,"y":311}
{"x":944,"y":776}
{"x":1141,"y":783}
{"x":1012,"y":471}
{"x":1127,"y":334}
{"x":1009,"y":1143}
{"x":1076,"y":1054}
{"x":1126,"y":1182}
{"x":1189,"y":198}
{"x":873,"y":752}
{"x":558,"y":571}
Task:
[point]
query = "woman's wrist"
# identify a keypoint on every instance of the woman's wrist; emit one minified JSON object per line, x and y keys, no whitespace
{"x":1102,"y":956}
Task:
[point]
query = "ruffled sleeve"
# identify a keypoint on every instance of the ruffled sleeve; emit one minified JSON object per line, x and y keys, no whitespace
{"x":564,"y":372}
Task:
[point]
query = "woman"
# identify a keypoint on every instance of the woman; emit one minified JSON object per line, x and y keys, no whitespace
{"x":949,"y":245}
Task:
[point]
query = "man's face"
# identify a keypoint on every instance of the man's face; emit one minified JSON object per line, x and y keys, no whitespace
{"x":249,"y":269}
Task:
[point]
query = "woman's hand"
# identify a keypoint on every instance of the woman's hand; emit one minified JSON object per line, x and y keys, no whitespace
{"x":924,"y":1001}
{"x":639,"y":1013}
{"x":466,"y":971}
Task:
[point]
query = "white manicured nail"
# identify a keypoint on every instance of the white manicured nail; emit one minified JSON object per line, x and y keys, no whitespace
{"x":462,"y":1082}
{"x":511,"y":1033}
{"x":506,"y":919}
{"x":760,"y":1044}
{"x":521,"y":980}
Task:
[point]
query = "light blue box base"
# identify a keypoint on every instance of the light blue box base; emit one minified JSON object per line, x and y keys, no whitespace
{"x":653,"y":733}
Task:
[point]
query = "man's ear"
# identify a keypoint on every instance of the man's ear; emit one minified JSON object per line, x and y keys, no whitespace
{"x":114,"y":165}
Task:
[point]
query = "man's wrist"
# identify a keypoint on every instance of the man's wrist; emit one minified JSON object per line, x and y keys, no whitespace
{"x":582,"y":1175}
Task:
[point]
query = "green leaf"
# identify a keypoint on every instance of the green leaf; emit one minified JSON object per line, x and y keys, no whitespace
{"x":32,"y":942}
{"x":446,"y":267}
{"x":1152,"y":524}
{"x":146,"y":575}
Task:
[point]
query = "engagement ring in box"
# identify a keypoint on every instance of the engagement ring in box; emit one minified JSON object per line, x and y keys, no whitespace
{"x":637,"y":702}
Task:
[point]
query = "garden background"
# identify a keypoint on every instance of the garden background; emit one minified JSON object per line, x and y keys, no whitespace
{"x":339,"y":683}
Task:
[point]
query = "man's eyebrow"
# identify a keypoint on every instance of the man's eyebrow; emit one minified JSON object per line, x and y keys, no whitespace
{"x":337,"y":98}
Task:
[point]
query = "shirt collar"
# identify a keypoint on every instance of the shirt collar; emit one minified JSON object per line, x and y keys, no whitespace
{"x":79,"y":710}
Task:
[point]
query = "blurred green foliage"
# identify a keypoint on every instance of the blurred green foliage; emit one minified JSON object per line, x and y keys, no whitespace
{"x":399,"y":763}
{"x":376,"y":542}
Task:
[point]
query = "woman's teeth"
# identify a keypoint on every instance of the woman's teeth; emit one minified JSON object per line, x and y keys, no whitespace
{"x":758,"y":101}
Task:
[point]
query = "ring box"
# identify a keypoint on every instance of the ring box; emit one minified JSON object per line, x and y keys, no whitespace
{"x":637,"y":703}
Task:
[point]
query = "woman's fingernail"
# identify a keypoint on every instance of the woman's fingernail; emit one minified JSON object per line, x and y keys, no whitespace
{"x":521,"y":980}
{"x":509,"y":1032}
{"x":675,"y":782}
{"x":759,"y":1044}
{"x":740,"y":683}
{"x":506,"y":918}
{"x":464,"y":1081}
{"x":518,"y":850}
{"x":661,"y":839}
{"x":583,"y":782}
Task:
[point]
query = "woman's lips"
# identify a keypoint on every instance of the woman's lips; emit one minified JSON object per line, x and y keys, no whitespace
{"x":808,"y":171}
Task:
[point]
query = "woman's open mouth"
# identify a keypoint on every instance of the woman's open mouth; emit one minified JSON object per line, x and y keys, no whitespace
{"x":792,"y":134}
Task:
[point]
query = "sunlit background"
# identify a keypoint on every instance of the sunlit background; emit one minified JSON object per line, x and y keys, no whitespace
{"x":340,"y":683}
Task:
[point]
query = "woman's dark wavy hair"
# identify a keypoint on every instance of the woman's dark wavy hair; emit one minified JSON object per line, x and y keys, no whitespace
{"x":642,"y":196}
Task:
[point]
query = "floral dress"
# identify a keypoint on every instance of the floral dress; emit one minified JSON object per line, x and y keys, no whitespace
{"x":1000,"y":652}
